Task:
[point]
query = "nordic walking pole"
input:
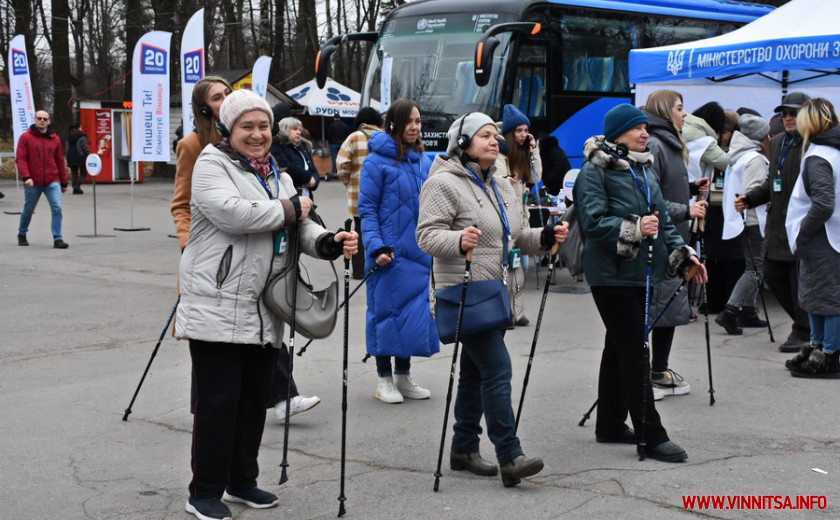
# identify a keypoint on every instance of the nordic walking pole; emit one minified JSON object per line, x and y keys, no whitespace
{"x":341,"y":497}
{"x":536,"y":336}
{"x":154,"y":353}
{"x":703,"y":289}
{"x":589,"y":413}
{"x":454,"y":361}
{"x":758,"y":277}
{"x":342,"y":304}
{"x":296,"y":273}
{"x":641,"y":444}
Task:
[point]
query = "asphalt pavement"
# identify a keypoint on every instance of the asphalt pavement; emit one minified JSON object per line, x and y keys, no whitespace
{"x":79,"y":326}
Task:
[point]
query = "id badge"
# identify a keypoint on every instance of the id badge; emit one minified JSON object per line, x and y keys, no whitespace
{"x":281,"y":241}
{"x":515,"y":258}
{"x":777,"y":185}
{"x":719,"y":180}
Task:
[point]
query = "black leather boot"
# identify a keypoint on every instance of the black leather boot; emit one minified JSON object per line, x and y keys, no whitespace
{"x":514,"y":471}
{"x":472,"y":462}
{"x":748,"y":318}
{"x":728,"y":319}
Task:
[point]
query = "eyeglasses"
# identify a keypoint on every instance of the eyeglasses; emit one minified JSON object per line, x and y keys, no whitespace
{"x":42,"y":118}
{"x":790,"y":112}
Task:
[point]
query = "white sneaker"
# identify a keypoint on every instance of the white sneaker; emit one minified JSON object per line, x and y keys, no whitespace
{"x":408,"y":388}
{"x":297,"y":405}
{"x":669,"y":382}
{"x":658,"y":394}
{"x":387,"y":392}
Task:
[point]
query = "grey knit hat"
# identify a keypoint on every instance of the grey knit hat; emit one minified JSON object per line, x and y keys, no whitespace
{"x":754,"y":127}
{"x":239,"y":102}
{"x":466,"y":125}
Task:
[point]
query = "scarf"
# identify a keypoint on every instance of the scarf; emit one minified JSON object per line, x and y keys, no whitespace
{"x":261,"y":166}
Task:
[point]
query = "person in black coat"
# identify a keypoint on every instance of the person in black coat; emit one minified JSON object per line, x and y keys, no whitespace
{"x":555,"y":164}
{"x":294,"y":153}
{"x":76,"y":150}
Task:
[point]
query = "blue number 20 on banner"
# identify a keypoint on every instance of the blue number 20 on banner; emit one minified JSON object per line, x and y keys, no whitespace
{"x":152,"y":60}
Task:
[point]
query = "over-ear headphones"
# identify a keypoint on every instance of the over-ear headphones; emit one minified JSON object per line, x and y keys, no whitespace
{"x":464,"y":140}
{"x":205,"y":109}
{"x":621,"y":151}
{"x":223,"y":131}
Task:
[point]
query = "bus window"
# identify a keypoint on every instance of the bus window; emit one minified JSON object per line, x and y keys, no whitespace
{"x":530,"y":83}
{"x":595,"y":51}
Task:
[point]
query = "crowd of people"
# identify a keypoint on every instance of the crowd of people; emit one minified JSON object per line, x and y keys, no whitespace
{"x":662,"y":196}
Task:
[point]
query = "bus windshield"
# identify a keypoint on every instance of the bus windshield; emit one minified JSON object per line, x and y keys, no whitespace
{"x":430,"y":60}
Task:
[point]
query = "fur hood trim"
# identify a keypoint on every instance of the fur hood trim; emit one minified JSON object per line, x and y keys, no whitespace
{"x":593,"y":152}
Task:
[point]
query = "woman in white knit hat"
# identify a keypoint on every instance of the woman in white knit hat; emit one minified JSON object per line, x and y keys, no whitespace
{"x":243,"y":208}
{"x":462,"y":207}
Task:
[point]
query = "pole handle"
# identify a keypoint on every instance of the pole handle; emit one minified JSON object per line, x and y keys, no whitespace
{"x":691,"y":272}
{"x":470,"y":255}
{"x":347,"y":229}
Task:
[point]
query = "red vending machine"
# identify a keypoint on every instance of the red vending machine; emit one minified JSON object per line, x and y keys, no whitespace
{"x":104,"y":124}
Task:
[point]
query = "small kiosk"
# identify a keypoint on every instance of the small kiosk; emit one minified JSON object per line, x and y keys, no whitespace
{"x":105,"y":124}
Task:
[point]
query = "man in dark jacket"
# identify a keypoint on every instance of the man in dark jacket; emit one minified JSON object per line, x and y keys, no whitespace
{"x":779,"y":262}
{"x":336,"y":134}
{"x":40,"y":163}
{"x":76,"y":150}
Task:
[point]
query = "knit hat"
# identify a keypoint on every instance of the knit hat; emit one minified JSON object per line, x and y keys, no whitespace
{"x":239,"y":102}
{"x":620,"y":119}
{"x":511,"y":118}
{"x":754,"y":127}
{"x":793,"y":100}
{"x":466,"y":125}
{"x":281,"y":110}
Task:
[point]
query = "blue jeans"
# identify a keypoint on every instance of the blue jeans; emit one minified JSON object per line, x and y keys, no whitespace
{"x":484,"y":389}
{"x":31,"y":196}
{"x":402,"y":366}
{"x":334,"y":148}
{"x":825,"y":330}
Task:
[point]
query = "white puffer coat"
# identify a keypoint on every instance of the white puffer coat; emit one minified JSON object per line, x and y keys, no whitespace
{"x":229,"y":255}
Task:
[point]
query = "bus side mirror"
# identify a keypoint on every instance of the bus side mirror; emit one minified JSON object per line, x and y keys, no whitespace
{"x":488,"y":42}
{"x":322,"y":59}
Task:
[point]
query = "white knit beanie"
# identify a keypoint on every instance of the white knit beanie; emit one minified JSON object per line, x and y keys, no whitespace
{"x":240,"y":101}
{"x":472,"y":122}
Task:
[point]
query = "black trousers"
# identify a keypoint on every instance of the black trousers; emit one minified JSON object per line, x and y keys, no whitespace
{"x":231,"y":382}
{"x":281,"y":379}
{"x":783,"y":281}
{"x":623,"y":366}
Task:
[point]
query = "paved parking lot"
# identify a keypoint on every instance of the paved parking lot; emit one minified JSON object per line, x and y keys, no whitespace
{"x":79,"y":326}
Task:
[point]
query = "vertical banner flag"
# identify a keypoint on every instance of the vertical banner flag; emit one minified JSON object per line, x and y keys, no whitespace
{"x":150,"y":98}
{"x":20,"y":87}
{"x":259,"y":76}
{"x":192,"y":66}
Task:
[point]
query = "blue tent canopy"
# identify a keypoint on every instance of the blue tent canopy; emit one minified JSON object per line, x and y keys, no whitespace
{"x":802,"y":35}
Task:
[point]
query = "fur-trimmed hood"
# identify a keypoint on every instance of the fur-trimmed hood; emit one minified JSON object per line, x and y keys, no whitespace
{"x":593,"y":152}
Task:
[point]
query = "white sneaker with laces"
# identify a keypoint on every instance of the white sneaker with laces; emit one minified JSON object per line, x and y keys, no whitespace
{"x":297,"y":405}
{"x":408,"y":388}
{"x":658,"y":394}
{"x":387,"y":392}
{"x":670,"y":382}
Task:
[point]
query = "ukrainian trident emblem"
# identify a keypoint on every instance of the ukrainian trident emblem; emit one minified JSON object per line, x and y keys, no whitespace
{"x":675,"y":61}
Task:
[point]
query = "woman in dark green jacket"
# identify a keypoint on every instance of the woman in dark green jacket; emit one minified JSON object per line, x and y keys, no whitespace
{"x":618,"y":200}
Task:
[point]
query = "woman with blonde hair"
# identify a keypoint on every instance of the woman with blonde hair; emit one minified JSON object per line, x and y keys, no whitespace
{"x":666,"y":115}
{"x":813,"y":229}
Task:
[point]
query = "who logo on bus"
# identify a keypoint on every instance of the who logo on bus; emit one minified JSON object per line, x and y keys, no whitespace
{"x":19,"y":66}
{"x":153,"y":59}
{"x":193,"y":66}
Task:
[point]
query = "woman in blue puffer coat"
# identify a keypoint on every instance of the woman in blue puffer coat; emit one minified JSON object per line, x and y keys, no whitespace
{"x":399,"y":318}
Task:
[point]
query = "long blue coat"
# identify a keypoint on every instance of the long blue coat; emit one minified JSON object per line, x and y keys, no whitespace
{"x":399,"y":319}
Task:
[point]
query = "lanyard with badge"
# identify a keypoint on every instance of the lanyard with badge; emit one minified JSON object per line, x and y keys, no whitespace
{"x":281,"y":238}
{"x":645,"y":191}
{"x":783,"y":153}
{"x":513,"y":258}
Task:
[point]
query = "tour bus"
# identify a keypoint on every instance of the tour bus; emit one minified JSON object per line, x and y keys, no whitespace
{"x":562,"y":62}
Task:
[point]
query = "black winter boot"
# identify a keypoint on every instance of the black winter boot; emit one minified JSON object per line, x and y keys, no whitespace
{"x":804,"y":353}
{"x":819,"y":365}
{"x":748,"y":318}
{"x":728,"y":319}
